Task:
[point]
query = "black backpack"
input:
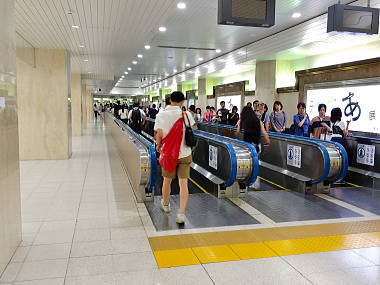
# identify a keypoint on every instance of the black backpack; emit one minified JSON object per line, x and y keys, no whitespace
{"x":136,"y":118}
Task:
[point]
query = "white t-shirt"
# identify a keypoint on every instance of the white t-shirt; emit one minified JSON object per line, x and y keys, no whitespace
{"x":123,"y":115}
{"x":165,"y":121}
{"x":341,"y":125}
{"x":141,"y":112}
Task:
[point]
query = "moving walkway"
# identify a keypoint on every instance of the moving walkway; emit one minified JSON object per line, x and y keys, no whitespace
{"x":300,"y":164}
{"x":221,"y":177}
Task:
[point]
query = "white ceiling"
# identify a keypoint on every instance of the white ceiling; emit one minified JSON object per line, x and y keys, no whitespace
{"x":113,"y":32}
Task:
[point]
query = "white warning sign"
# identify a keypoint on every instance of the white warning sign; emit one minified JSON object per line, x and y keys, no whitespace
{"x":366,"y":154}
{"x":294,"y":156}
{"x":213,"y":156}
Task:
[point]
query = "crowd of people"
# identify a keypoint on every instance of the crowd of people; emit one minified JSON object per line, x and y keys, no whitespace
{"x":320,"y":127}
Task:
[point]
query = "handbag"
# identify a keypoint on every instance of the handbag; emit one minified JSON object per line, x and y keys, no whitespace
{"x":190,"y":139}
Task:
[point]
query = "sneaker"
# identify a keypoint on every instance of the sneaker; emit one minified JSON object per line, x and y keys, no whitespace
{"x":164,"y":208}
{"x":180,"y":219}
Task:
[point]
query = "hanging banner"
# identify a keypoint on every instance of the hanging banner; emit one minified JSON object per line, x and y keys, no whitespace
{"x":366,"y":154}
{"x":294,"y":156}
{"x":213,"y":157}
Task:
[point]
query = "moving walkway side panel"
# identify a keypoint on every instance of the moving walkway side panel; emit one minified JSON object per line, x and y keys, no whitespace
{"x":315,"y":161}
{"x":225,"y":159}
{"x":135,"y":150}
{"x":246,"y":155}
{"x":364,"y":161}
{"x":337,"y":154}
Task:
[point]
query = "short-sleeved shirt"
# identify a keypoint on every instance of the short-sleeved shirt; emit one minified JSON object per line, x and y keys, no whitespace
{"x":223,"y":115}
{"x":165,"y":121}
{"x":317,"y":128}
{"x":123,"y":115}
{"x":278,"y":120}
{"x":141,"y":112}
{"x":302,"y":131}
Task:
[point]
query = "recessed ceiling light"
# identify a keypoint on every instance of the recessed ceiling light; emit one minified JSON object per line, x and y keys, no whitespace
{"x":166,"y":74}
{"x":75,"y":26}
{"x":175,"y":70}
{"x":181,"y":5}
{"x":85,"y":60}
{"x":129,"y":68}
{"x":140,"y":56}
{"x":89,"y":72}
{"x":162,"y":29}
{"x":159,"y":78}
{"x":122,"y":76}
{"x":200,"y":59}
{"x":296,"y":15}
{"x":218,"y":50}
{"x":126,"y":72}
{"x":187,"y":64}
{"x":134,"y":62}
{"x":81,"y":46}
{"x":147,"y":46}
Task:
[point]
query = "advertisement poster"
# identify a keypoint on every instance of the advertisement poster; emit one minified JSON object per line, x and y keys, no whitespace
{"x":230,"y":102}
{"x":294,"y":156}
{"x":213,"y":156}
{"x":366,"y":154}
{"x":359,"y":104}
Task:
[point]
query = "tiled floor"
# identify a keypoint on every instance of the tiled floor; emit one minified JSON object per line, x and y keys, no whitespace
{"x":82,"y":226}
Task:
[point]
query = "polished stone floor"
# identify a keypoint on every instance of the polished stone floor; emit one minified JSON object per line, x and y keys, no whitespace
{"x":81,"y":225}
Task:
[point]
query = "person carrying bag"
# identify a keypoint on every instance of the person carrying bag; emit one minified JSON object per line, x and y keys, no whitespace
{"x":174,"y":139}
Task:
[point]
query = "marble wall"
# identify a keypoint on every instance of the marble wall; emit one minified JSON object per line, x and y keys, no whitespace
{"x":10,"y":213}
{"x":266,"y":81}
{"x":76,"y":104}
{"x":44,"y":109}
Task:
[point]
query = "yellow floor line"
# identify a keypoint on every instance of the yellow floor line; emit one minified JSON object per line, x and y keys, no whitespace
{"x":254,"y":250}
{"x":199,"y":186}
{"x":275,"y":184}
{"x":354,"y":185}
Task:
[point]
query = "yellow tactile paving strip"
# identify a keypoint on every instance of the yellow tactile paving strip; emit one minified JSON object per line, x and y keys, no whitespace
{"x":190,"y":249}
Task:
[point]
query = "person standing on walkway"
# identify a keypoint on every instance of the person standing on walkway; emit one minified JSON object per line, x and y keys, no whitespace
{"x":223,"y":113}
{"x":278,"y":118}
{"x":175,"y":155}
{"x":136,"y":118}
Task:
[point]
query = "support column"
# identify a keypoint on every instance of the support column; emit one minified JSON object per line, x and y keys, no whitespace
{"x":202,"y":94}
{"x":44,"y":107}
{"x":10,"y":212}
{"x":84,"y":107}
{"x":89,"y":98}
{"x":266,"y":82}
{"x":76,"y":104}
{"x":179,"y":87}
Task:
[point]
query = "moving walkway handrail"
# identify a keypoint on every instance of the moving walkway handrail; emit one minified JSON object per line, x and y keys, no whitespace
{"x":232,"y":153}
{"x":342,"y":150}
{"x":319,"y":145}
{"x":254,"y":156}
{"x":150,"y":150}
{"x":326,"y":156}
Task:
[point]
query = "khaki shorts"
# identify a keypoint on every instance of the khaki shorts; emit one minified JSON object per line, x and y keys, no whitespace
{"x":182,"y":169}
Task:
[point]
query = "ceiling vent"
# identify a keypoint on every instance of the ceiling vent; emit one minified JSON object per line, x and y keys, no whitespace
{"x":187,"y":48}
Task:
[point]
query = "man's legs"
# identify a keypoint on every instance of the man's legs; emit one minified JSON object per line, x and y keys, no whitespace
{"x":183,"y":195}
{"x":166,"y":190}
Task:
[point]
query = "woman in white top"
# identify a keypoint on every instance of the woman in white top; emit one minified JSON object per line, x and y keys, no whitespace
{"x":338,"y":128}
{"x":123,"y":114}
